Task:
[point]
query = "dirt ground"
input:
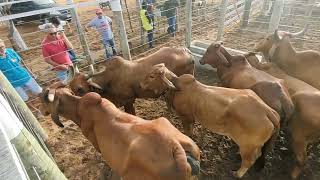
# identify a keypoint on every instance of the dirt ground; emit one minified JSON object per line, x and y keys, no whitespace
{"x":77,"y":158}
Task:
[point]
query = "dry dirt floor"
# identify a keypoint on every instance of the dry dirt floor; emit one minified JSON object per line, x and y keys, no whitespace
{"x":77,"y":158}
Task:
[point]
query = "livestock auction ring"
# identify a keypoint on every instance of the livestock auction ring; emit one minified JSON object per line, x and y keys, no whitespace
{"x":240,"y":24}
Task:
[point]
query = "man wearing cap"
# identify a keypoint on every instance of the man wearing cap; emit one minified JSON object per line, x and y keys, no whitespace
{"x":18,"y":76}
{"x":55,"y":48}
{"x":103,"y":24}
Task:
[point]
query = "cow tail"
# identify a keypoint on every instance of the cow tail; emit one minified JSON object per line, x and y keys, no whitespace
{"x":287,"y":108}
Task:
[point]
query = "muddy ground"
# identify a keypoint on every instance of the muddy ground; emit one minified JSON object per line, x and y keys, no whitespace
{"x":77,"y":158}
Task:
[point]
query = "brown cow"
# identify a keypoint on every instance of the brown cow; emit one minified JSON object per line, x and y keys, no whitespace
{"x":239,"y":114}
{"x":236,"y":72}
{"x":305,"y":124}
{"x":134,"y":148}
{"x":304,"y":65}
{"x":119,"y":81}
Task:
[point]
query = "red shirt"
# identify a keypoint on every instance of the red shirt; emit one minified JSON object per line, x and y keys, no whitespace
{"x":56,"y":51}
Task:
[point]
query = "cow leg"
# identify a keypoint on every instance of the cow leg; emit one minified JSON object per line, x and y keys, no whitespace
{"x":129,"y":108}
{"x":187,"y":126}
{"x":249,"y":154}
{"x":299,"y":148}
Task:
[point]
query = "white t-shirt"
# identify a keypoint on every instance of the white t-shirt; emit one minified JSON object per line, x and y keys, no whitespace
{"x":12,"y":125}
{"x":103,"y":26}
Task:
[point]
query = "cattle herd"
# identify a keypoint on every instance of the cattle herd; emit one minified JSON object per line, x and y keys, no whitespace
{"x":257,"y":100}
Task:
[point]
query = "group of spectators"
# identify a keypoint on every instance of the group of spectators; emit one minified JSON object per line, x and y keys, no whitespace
{"x":58,"y":51}
{"x":169,"y":9}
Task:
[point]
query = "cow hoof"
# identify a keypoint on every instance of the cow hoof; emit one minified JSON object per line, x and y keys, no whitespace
{"x":235,"y":174}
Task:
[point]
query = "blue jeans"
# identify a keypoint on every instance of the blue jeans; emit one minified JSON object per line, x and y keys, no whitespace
{"x":109,"y":43}
{"x":172,"y":24}
{"x":72,"y":55}
{"x":150,"y":38}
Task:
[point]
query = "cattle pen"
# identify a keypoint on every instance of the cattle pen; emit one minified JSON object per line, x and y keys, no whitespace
{"x":240,"y":24}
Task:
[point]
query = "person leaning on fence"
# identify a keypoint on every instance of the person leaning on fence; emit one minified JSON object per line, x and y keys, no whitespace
{"x":147,"y":23}
{"x":17,"y":75}
{"x":170,"y":8}
{"x":55,"y":48}
{"x":59,"y":24}
{"x":103,"y":24}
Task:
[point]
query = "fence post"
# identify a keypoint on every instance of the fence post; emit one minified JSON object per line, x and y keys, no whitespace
{"x":22,"y":107}
{"x":223,"y":8}
{"x":117,"y":10}
{"x":309,"y":9}
{"x":82,"y":37}
{"x":188,"y":22}
{"x":276,"y":15}
{"x":246,"y":13}
{"x":138,"y":8}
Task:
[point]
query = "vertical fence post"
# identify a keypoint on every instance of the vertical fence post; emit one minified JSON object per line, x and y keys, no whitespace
{"x":188,"y":23}
{"x":138,"y":8}
{"x":80,"y":32}
{"x":276,"y":15}
{"x":246,"y":13}
{"x":22,"y":107}
{"x":117,"y":10}
{"x":309,"y":10}
{"x":223,"y":8}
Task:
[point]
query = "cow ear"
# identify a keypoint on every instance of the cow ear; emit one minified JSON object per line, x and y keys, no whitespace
{"x":55,"y":113}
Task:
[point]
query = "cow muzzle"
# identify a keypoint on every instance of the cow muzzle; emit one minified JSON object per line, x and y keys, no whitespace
{"x":194,"y":164}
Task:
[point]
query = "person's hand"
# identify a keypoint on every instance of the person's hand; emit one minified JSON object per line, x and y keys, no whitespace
{"x":62,"y":67}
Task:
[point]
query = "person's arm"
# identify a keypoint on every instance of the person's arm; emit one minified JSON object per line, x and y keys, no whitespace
{"x":47,"y":58}
{"x":90,"y":24}
{"x":69,"y":27}
{"x":66,"y":40}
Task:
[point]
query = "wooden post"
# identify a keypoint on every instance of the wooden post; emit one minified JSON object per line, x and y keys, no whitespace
{"x":188,"y":22}
{"x":223,"y":7}
{"x":246,"y":13}
{"x":82,"y":37}
{"x":22,"y":107}
{"x":117,"y":10}
{"x":276,"y":15}
{"x":34,"y":158}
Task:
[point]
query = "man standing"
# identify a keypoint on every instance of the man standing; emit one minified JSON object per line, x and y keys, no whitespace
{"x":55,"y":48}
{"x":147,"y":23}
{"x":18,"y":76}
{"x":103,"y":24}
{"x":170,"y":8}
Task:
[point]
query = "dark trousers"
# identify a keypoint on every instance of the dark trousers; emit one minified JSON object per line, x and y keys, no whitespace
{"x":150,"y":37}
{"x":172,"y":24}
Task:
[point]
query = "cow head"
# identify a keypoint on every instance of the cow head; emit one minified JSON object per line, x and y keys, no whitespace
{"x":157,"y":79}
{"x":51,"y":103}
{"x":215,"y":55}
{"x":270,"y":43}
{"x":82,"y":83}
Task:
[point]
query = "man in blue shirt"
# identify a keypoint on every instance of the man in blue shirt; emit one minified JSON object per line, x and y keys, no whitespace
{"x":17,"y":75}
{"x":103,"y":26}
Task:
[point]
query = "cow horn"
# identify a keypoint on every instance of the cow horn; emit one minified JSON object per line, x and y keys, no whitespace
{"x":169,"y":83}
{"x":51,"y":94}
{"x":194,"y":164}
{"x":300,"y":33}
{"x":71,"y":73}
{"x":223,"y":58}
{"x":76,"y":69}
{"x":91,"y":72}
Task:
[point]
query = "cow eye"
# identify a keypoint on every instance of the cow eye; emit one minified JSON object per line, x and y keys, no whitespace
{"x":81,"y":91}
{"x":268,"y":39}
